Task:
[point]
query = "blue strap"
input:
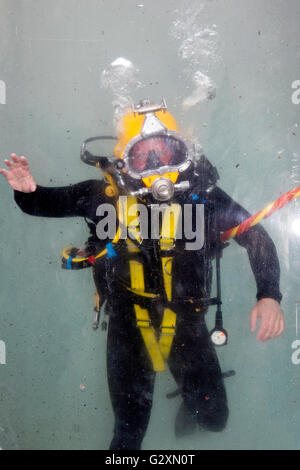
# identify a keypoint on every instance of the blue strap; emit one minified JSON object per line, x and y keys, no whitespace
{"x":110,"y":251}
{"x":195,"y":197}
{"x":69,"y":261}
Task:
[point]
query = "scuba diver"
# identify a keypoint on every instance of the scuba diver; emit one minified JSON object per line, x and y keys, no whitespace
{"x":156,"y":291}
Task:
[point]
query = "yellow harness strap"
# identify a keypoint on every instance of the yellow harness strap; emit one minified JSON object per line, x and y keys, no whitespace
{"x":167,"y":243}
{"x":158,"y":350}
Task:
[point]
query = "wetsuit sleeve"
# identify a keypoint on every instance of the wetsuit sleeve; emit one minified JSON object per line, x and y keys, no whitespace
{"x":65,"y":201}
{"x":260,"y":248}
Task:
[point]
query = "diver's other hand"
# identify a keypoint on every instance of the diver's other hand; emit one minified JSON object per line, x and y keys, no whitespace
{"x":271,"y":319}
{"x":18,"y":174}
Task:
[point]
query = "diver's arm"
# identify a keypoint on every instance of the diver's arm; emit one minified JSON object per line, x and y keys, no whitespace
{"x":260,"y":248}
{"x":43,"y":201}
{"x":64,"y":201}
{"x":264,"y":263}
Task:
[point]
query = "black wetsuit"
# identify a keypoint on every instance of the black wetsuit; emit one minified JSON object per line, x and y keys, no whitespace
{"x":193,"y":361}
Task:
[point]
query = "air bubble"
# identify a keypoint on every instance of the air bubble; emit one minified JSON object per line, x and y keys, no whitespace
{"x":121,"y":78}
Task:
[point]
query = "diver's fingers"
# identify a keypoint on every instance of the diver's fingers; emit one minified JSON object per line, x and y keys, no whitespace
{"x":23,"y":160}
{"x":276,"y":328}
{"x":8,"y":163}
{"x":19,"y":160}
{"x":253,"y":318}
{"x":266,"y":327}
{"x":279,"y":323}
{"x":262,"y":332}
{"x":281,"y":327}
{"x":4,"y":172}
{"x":14,"y":157}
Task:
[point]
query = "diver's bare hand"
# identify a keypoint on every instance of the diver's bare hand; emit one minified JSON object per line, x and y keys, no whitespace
{"x":18,"y":174}
{"x":271,"y":316}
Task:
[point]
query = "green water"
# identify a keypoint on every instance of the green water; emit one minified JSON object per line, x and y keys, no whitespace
{"x":53,"y":387}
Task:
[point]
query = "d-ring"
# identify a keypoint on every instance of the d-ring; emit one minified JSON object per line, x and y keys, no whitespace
{"x":165,"y":266}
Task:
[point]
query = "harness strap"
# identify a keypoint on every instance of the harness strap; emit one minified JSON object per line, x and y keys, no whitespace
{"x":167,"y":332}
{"x":167,"y":242}
{"x":149,"y":337}
{"x":158,"y":350}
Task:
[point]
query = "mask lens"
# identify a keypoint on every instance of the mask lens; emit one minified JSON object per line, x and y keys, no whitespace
{"x":156,"y":152}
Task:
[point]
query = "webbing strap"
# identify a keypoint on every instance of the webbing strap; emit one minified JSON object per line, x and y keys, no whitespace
{"x":158,"y":351}
{"x":167,"y":332}
{"x":148,"y":335}
{"x":166,"y":265}
{"x":169,"y":226}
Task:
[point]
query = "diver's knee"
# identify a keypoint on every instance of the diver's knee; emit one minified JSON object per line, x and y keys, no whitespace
{"x":215,"y":421}
{"x":216,"y":425}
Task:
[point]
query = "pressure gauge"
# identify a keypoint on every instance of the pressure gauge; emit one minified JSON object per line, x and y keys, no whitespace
{"x":219,"y":336}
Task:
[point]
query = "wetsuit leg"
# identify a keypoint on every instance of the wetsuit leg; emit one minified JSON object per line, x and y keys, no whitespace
{"x":195,"y":367}
{"x":130,"y":378}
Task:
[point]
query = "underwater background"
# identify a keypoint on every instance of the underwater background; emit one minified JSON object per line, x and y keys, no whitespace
{"x":228,"y":70}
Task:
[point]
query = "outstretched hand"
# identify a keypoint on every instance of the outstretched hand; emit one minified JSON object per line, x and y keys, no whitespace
{"x":271,"y":316}
{"x":18,"y":174}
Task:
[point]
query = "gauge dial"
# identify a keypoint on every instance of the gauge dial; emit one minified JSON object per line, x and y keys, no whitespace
{"x":218,"y":337}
